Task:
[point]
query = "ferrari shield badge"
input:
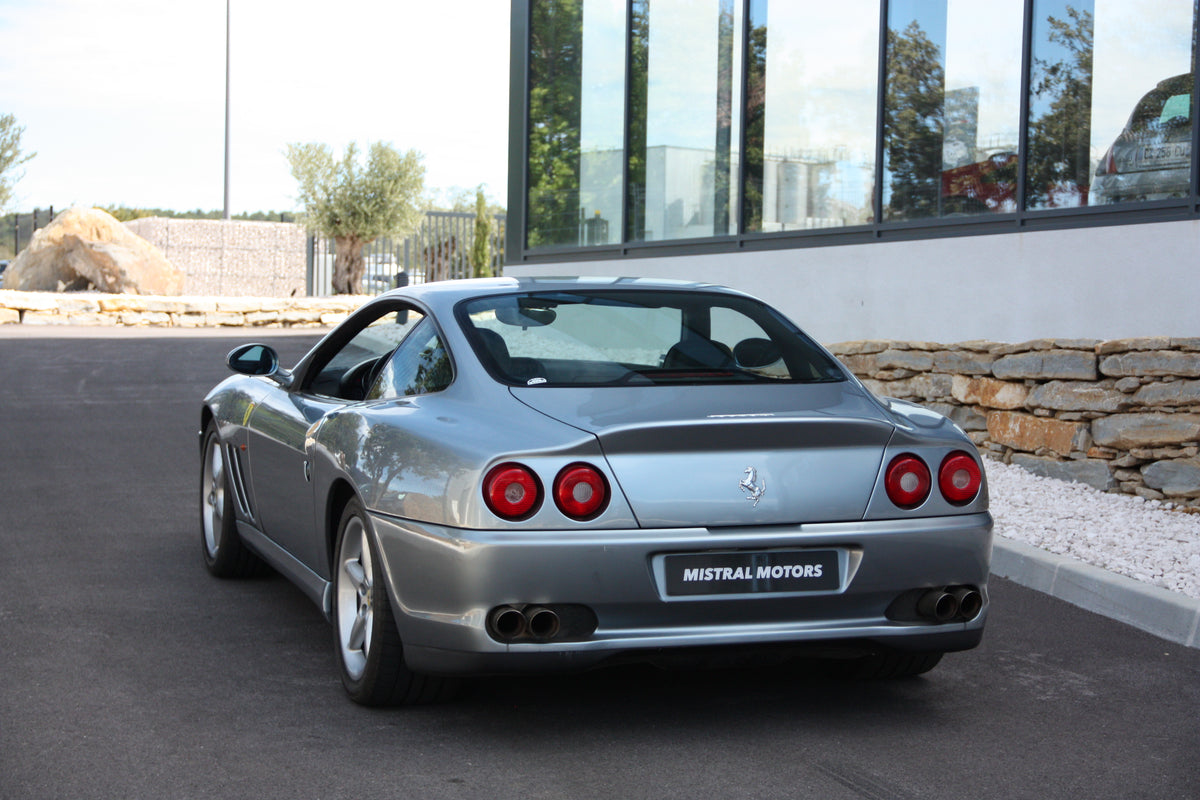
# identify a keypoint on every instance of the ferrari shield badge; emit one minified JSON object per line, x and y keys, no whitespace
{"x":752,"y":486}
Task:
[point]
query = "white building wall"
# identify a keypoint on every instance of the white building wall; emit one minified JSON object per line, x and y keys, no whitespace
{"x":1107,"y":282}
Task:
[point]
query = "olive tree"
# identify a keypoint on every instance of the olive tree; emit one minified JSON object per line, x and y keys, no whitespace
{"x":11,"y":156}
{"x":355,"y":202}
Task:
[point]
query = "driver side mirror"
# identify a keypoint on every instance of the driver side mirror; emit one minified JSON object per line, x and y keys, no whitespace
{"x":257,"y":359}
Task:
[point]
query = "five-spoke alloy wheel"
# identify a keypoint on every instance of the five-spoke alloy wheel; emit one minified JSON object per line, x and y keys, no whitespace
{"x":224,"y":554}
{"x":367,"y":642}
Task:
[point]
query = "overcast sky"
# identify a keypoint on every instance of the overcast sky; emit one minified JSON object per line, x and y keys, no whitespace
{"x":124,"y":100}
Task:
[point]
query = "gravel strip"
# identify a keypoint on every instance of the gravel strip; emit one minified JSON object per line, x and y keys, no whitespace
{"x":1142,"y":539}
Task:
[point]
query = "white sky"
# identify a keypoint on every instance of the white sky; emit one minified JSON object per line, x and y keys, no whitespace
{"x":124,"y":100}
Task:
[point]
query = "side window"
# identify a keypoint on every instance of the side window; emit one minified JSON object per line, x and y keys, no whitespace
{"x":420,"y":365}
{"x":350,"y":370}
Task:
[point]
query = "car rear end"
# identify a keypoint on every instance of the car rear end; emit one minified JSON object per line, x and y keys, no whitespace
{"x":1151,"y":158}
{"x":759,"y":502}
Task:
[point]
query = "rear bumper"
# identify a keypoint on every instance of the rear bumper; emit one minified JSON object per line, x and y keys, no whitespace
{"x":443,"y":582}
{"x":1151,"y":184}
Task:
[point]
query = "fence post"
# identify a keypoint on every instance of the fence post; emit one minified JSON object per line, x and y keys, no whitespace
{"x":310,"y":259}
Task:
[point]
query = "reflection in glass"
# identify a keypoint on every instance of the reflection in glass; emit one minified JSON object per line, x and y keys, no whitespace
{"x":602,"y":135}
{"x":810,"y":114}
{"x":655,"y":156}
{"x":951,"y":108}
{"x":576,"y":95}
{"x":684,"y":118}
{"x":1110,"y":101}
{"x":1060,"y":104}
{"x":1141,"y":141}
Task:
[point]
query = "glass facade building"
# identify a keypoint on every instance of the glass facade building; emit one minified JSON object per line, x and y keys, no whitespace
{"x":652,"y":127}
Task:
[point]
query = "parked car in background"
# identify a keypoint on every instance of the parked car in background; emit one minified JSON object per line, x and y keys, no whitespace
{"x":987,"y":186}
{"x":3,"y":268}
{"x":1151,"y":157}
{"x":506,"y":475}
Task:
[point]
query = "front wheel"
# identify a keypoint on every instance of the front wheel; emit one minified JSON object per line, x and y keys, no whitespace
{"x":224,"y":553}
{"x":369,"y":653}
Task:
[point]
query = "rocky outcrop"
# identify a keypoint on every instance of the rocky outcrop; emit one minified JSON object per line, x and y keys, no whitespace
{"x":1119,"y":415}
{"x":86,"y":248}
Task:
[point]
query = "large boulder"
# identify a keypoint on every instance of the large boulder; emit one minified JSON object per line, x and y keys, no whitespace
{"x":86,"y":248}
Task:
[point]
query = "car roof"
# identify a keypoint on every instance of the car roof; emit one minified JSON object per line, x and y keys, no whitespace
{"x":448,"y":293}
{"x":479,"y":287}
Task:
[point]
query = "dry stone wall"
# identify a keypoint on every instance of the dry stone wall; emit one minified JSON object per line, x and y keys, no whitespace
{"x":1120,"y":415}
{"x":90,"y":308}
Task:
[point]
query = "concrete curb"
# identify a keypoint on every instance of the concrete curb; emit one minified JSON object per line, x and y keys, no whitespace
{"x":1164,"y":613}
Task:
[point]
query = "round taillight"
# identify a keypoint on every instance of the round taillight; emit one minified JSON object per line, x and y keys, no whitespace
{"x":580,"y":491}
{"x":959,"y":478}
{"x":907,"y":481}
{"x":512,"y":491}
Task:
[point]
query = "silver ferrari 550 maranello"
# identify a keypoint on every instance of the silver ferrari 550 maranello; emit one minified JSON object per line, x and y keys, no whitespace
{"x":509,"y":475}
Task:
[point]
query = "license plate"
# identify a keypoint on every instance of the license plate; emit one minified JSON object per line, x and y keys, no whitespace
{"x":769,"y":572}
{"x":1165,"y":154}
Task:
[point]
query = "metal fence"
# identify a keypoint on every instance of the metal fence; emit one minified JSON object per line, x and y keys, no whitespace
{"x":440,"y":249}
{"x":20,"y":229}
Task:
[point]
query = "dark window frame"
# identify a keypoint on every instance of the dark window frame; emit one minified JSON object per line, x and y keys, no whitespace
{"x":1020,"y":221}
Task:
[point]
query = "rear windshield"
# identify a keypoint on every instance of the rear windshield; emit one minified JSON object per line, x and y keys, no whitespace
{"x":1168,"y":106}
{"x":611,"y":338}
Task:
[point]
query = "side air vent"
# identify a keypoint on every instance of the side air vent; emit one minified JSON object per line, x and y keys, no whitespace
{"x":234,"y":463}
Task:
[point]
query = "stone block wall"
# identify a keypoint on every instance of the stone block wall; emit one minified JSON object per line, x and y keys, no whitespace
{"x":231,"y":258}
{"x":1120,"y":415}
{"x":93,"y":308}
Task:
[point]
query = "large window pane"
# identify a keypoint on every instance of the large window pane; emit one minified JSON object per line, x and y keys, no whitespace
{"x":1110,"y":101}
{"x":684,"y":121}
{"x":602,"y":136}
{"x":1142,"y":115}
{"x":810,"y":114}
{"x":951,"y":108}
{"x":576,"y":102}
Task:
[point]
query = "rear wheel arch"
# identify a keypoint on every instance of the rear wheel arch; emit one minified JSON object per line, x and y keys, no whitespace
{"x":340,"y":493}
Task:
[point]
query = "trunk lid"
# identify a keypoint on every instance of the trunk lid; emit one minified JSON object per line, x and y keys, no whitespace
{"x":720,"y":456}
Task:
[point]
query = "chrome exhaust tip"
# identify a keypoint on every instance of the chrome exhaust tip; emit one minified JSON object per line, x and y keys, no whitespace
{"x":542,"y":622}
{"x":970,"y":602}
{"x":507,"y":623}
{"x":939,"y":605}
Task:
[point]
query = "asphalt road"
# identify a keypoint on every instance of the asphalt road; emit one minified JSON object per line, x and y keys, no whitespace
{"x":127,"y":672}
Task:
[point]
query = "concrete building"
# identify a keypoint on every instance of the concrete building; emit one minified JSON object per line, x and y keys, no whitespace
{"x":878,"y":169}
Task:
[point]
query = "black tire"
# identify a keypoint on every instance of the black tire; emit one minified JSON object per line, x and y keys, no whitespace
{"x":887,"y":665}
{"x":370,"y":655}
{"x":225,"y":556}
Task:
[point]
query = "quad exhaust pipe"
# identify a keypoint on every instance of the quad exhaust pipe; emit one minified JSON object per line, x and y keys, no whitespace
{"x":950,"y":603}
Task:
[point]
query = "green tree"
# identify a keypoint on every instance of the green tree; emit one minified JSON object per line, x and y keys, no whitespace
{"x":636,"y":120}
{"x":756,"y":96}
{"x":126,"y":213}
{"x":914,"y":123}
{"x":355,"y":203}
{"x":481,"y":261}
{"x":11,"y":156}
{"x":1060,"y":129}
{"x":555,"y":75}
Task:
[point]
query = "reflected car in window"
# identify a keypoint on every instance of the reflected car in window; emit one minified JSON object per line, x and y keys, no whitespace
{"x":1151,"y":157}
{"x":500,"y":475}
{"x":988,"y":186}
